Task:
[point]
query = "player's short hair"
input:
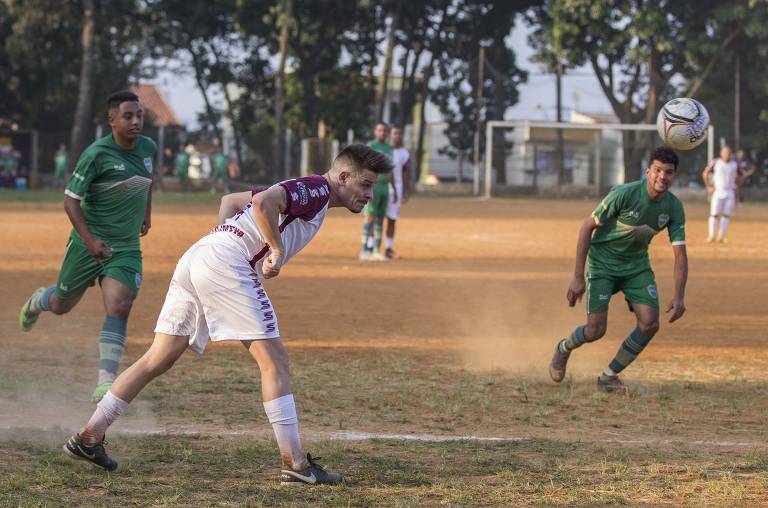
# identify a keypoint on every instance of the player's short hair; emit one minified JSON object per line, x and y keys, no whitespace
{"x":664,"y":154}
{"x":382,"y":122}
{"x":362,"y":157}
{"x":117,"y":98}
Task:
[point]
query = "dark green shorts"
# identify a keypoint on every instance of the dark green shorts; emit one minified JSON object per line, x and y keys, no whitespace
{"x":377,"y":206}
{"x":79,"y":270}
{"x":639,"y":288}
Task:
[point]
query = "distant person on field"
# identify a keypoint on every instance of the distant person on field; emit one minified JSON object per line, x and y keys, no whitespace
{"x":220,"y":163}
{"x":376,"y":209}
{"x":725,"y":179}
{"x":61,"y":165}
{"x":109,"y":202}
{"x":614,"y":242}
{"x":747,"y":168}
{"x":400,"y":186}
{"x":218,"y":293}
{"x":181,"y":164}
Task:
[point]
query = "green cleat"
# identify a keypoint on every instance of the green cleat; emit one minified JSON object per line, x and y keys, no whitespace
{"x":101,"y":391}
{"x":27,"y":318}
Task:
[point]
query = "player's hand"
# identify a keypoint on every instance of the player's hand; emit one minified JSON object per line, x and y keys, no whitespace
{"x":677,"y":307}
{"x":576,"y":290}
{"x":406,"y":197}
{"x":710,"y":189}
{"x":100,"y":249}
{"x":272,"y":264}
{"x":145,"y":227}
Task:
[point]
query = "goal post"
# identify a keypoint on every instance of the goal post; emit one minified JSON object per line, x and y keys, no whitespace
{"x":523,"y":156}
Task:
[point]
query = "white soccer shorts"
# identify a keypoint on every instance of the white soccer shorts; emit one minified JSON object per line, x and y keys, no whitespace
{"x":393,"y":206}
{"x":215,"y":293}
{"x":722,"y":203}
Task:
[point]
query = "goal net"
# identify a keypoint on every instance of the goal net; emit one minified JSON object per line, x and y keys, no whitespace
{"x":527,"y":157}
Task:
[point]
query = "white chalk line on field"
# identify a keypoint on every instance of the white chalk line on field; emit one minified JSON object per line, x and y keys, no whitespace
{"x":426,"y":438}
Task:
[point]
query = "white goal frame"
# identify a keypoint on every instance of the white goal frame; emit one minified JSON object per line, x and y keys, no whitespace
{"x":528,"y":124}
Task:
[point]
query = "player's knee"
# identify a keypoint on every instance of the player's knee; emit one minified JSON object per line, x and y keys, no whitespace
{"x":594,"y":331}
{"x":156,"y":364}
{"x":120,"y":308}
{"x":649,"y":328}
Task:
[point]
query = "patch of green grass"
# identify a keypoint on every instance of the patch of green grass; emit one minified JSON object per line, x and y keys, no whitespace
{"x":187,"y":471}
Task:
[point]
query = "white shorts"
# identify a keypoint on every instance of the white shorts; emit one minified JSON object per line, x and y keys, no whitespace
{"x":215,"y":293}
{"x":393,"y":206}
{"x":722,"y":204}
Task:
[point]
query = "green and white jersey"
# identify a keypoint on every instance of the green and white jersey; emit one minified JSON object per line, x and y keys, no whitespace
{"x":112,"y":184}
{"x":386,"y":149}
{"x":628,"y":220}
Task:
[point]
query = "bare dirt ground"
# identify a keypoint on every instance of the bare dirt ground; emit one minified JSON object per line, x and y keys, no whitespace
{"x":451,"y":340}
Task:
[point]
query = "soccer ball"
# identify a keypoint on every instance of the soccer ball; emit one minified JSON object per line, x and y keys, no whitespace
{"x":682,"y":123}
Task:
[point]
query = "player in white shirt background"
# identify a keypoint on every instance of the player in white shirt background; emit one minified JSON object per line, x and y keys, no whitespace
{"x":217,"y":292}
{"x":722,"y":178}
{"x":401,"y":183}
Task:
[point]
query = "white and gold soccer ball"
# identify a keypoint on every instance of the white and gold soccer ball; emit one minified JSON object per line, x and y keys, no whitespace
{"x":682,"y":123}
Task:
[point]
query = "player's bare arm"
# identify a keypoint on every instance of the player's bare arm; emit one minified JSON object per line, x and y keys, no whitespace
{"x":677,"y":305}
{"x":705,"y":175}
{"x":98,"y":248}
{"x":267,"y":207}
{"x":147,"y":215}
{"x":233,"y":203}
{"x":578,"y":286}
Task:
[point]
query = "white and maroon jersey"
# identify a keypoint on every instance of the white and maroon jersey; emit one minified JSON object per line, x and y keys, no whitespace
{"x":724,"y":176}
{"x":307,"y":205}
{"x":400,"y":158}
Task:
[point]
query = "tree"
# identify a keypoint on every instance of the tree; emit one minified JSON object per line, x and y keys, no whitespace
{"x":638,"y":51}
{"x":79,"y":138}
{"x":486,"y":23}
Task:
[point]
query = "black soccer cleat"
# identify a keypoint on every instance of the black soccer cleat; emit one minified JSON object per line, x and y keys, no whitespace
{"x":313,"y":475}
{"x":96,"y":455}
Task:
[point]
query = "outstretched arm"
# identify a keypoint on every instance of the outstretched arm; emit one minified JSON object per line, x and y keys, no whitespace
{"x":578,"y":286}
{"x":677,"y":305}
{"x":267,"y":207}
{"x":233,"y":203}
{"x":147,"y":215}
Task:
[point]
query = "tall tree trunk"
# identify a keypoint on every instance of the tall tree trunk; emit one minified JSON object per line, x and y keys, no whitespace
{"x":83,"y":116}
{"x":202,"y":86}
{"x":307,"y":77}
{"x":233,"y":122}
{"x":278,"y":145}
{"x":381,"y":93}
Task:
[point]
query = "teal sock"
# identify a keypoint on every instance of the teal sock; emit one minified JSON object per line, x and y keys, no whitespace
{"x":574,"y":340}
{"x":378,"y":229}
{"x":630,"y":348}
{"x":111,"y":347}
{"x":43,"y":303}
{"x":367,"y":228}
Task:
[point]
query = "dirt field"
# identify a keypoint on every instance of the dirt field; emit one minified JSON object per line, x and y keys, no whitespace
{"x":451,"y":341}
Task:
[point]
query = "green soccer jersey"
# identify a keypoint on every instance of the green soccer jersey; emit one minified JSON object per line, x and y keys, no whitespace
{"x":386,"y":149}
{"x":628,"y":220}
{"x":182,"y":164}
{"x":219,"y":164}
{"x":61,"y":160}
{"x":112,"y":184}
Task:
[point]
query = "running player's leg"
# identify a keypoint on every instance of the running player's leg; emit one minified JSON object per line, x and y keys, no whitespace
{"x":715,"y":211}
{"x":78,"y":272}
{"x":393,"y":213}
{"x":280,"y":407}
{"x":118,"y":300}
{"x":366,"y":240}
{"x":640,"y":291}
{"x":160,"y":357}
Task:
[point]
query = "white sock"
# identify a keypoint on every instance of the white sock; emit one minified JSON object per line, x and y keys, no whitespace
{"x":369,"y":245}
{"x":608,"y":372}
{"x":390,"y":242}
{"x":712,"y":222}
{"x":724,"y":221}
{"x":109,"y":409}
{"x":281,"y":413}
